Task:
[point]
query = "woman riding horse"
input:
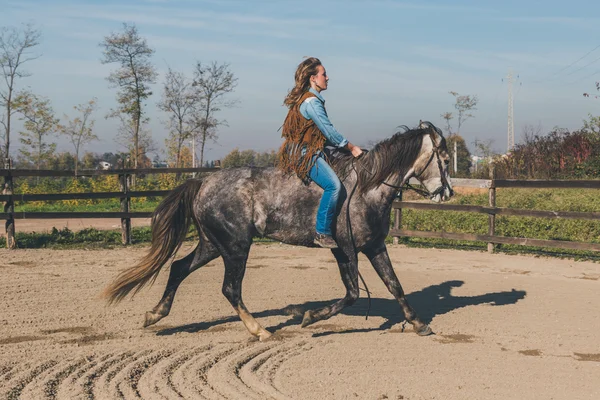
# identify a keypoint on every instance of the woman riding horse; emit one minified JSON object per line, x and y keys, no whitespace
{"x":306,"y":131}
{"x":231,"y":207}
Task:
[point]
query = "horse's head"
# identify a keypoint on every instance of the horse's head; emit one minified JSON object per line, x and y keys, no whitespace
{"x":431,"y":165}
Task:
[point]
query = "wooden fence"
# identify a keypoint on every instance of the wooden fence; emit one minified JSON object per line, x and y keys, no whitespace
{"x":492,"y":211}
{"x":125,"y":195}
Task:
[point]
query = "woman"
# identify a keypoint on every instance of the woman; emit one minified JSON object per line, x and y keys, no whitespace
{"x":306,"y":131}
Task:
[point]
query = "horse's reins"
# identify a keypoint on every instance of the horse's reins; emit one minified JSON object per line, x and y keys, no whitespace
{"x":403,"y":185}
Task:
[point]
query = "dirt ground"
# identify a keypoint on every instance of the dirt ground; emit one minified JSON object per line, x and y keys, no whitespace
{"x":506,"y":327}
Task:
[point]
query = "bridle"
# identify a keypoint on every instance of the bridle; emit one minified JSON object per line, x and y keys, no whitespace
{"x":405,"y":184}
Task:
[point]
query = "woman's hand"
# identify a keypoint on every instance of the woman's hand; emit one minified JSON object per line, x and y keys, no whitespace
{"x":355,"y":150}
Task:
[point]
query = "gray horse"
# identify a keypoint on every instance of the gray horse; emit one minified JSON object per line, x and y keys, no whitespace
{"x":232,"y":206}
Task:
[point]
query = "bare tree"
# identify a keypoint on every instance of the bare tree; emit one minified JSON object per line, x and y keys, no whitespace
{"x":212,"y":82}
{"x":530,"y":153}
{"x":485,"y":151}
{"x":530,"y":132}
{"x":133,"y":78}
{"x":464,"y":105}
{"x":79,"y":130}
{"x":125,"y":137}
{"x":15,"y":47}
{"x":484,"y":147}
{"x":39,"y":122}
{"x":180,"y":101}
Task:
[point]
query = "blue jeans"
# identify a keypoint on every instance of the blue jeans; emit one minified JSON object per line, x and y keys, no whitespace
{"x":324,"y":176}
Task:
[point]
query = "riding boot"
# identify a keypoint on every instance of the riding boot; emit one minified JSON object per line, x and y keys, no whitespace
{"x":325,"y":241}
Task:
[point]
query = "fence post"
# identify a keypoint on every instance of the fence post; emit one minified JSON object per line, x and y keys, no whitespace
{"x":492,"y":203}
{"x":397,"y":218}
{"x":125,"y":200}
{"x":9,"y":207}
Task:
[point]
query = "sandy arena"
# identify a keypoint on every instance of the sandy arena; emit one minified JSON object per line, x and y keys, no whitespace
{"x":506,"y":327}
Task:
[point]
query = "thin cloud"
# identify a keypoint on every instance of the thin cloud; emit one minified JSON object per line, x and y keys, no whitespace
{"x":167,"y":16}
{"x":432,"y":7}
{"x":485,"y":60}
{"x":226,"y":22}
{"x":573,"y":22}
{"x":196,"y":46}
{"x":73,"y":67}
{"x":67,"y":15}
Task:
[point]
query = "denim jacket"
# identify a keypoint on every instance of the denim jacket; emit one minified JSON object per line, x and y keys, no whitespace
{"x":313,"y":108}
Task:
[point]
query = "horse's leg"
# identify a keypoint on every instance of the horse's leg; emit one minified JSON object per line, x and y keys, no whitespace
{"x":204,"y":253}
{"x":235,"y":267}
{"x":349,"y":272}
{"x":378,"y":256}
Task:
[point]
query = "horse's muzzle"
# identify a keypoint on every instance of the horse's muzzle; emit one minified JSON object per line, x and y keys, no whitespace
{"x":443,"y":193}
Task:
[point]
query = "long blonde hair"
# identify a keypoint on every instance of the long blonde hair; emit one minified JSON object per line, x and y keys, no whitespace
{"x":305,"y":70}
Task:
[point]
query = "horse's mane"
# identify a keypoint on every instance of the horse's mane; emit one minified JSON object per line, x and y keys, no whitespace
{"x":395,"y":154}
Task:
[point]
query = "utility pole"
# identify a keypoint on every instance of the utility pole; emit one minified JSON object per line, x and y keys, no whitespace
{"x":511,"y":123}
{"x":455,"y":156}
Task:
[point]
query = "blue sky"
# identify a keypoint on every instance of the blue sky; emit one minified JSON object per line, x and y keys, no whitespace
{"x":390,"y":63}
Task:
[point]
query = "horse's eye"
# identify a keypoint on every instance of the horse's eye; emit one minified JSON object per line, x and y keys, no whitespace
{"x":446,"y":162}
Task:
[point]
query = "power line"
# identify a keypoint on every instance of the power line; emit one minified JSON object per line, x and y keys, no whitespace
{"x":576,"y":61}
{"x":580,"y":68}
{"x":554,"y":75}
{"x":582,"y":78}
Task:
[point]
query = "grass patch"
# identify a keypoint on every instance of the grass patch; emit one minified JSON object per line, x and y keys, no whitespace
{"x":528,"y":227}
{"x":583,"y":200}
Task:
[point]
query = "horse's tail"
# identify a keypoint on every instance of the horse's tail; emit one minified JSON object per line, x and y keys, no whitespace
{"x":170,"y":223}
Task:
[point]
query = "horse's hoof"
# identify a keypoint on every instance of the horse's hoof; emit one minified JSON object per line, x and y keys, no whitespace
{"x":425,"y":330}
{"x":307,"y":320}
{"x":264,"y":336}
{"x":152,"y":318}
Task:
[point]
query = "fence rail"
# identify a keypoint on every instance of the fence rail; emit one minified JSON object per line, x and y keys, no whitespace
{"x":81,"y":196}
{"x":564,"y":244}
{"x":125,"y":196}
{"x":75,"y":214}
{"x":492,"y":211}
{"x":498,"y":211}
{"x":126,"y":215}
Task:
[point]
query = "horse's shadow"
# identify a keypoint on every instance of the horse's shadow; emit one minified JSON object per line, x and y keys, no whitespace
{"x":428,"y":303}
